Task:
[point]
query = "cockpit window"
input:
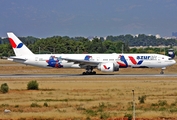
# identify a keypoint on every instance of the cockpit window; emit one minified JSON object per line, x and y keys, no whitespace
{"x":170,"y":59}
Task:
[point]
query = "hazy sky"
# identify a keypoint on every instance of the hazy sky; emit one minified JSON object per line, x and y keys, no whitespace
{"x":46,"y":18}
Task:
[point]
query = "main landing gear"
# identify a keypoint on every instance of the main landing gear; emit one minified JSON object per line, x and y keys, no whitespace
{"x":89,"y":71}
{"x":162,"y":70}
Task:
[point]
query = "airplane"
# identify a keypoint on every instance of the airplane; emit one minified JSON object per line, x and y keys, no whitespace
{"x":103,"y":62}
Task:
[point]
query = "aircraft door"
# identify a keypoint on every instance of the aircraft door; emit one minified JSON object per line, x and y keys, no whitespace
{"x":159,"y":60}
{"x":98,"y":59}
{"x":36,"y":59}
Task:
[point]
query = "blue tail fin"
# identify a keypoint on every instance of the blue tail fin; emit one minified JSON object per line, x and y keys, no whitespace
{"x":171,"y":53}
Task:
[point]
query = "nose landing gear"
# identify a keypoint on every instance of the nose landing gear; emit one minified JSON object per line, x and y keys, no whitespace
{"x":162,"y":70}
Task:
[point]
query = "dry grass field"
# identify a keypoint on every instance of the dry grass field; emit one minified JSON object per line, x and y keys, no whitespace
{"x":77,"y":98}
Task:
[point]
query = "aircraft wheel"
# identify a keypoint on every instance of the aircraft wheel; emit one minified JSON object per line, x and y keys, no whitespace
{"x":94,"y":73}
{"x":89,"y":73}
{"x":161,"y":72}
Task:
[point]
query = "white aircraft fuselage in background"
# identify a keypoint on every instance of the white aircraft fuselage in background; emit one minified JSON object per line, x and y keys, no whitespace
{"x":103,"y":62}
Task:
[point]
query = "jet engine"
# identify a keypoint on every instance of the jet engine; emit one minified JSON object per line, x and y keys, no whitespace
{"x":108,"y":67}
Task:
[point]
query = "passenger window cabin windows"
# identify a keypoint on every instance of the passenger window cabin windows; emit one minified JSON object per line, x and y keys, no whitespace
{"x":105,"y":59}
{"x":111,"y":59}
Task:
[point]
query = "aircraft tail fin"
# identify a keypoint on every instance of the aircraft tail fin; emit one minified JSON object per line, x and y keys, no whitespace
{"x":19,"y":48}
{"x":171,"y":53}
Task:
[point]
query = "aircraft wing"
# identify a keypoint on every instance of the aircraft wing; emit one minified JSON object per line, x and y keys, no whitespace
{"x":82,"y":62}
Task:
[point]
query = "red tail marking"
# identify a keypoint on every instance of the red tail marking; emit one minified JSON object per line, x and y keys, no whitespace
{"x":12,"y":43}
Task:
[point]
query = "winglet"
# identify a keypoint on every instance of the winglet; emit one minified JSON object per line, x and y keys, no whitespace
{"x":19,"y":48}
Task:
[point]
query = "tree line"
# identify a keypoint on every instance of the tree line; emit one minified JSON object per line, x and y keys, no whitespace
{"x":112,"y":44}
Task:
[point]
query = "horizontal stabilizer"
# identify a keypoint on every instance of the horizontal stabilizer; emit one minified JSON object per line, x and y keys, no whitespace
{"x":16,"y":59}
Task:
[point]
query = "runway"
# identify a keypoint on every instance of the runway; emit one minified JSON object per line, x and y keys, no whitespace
{"x":82,"y":76}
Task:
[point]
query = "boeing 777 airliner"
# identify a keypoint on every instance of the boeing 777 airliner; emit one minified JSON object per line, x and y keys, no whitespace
{"x":102,"y":62}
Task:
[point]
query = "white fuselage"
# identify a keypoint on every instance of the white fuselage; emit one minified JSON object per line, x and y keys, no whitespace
{"x":132,"y":60}
{"x":103,"y":62}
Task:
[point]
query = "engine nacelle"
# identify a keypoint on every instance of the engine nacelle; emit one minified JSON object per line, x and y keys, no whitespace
{"x":108,"y":67}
